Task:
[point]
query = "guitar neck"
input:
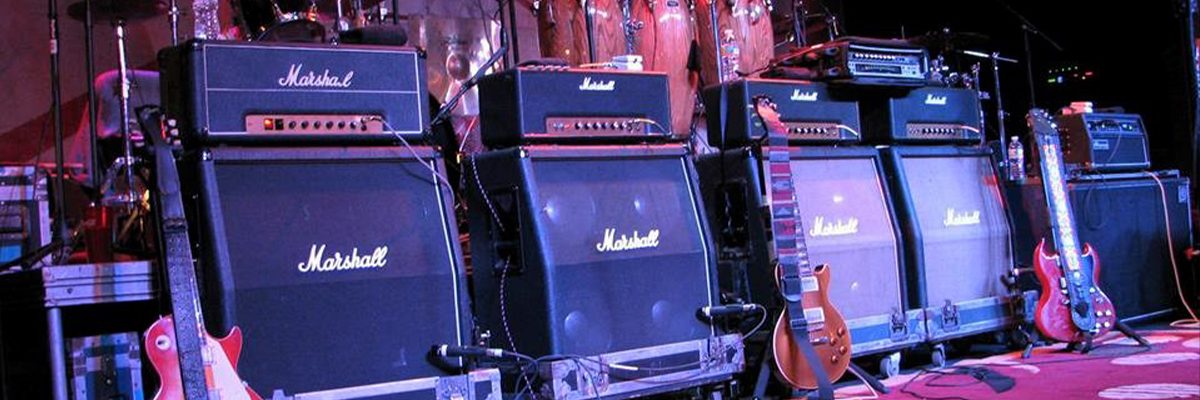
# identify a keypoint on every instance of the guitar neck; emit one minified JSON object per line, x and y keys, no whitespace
{"x":190,"y":336}
{"x":1062,"y":221}
{"x":785,"y":213}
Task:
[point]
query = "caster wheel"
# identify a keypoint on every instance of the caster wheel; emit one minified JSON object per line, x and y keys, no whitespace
{"x":889,"y":365}
{"x":939,"y":355}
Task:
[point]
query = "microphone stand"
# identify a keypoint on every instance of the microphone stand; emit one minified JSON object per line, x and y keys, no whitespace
{"x":61,"y":232}
{"x":1028,"y":28}
{"x":799,"y":22}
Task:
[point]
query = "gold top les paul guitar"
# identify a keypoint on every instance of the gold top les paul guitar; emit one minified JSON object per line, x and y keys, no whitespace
{"x":826,"y":329}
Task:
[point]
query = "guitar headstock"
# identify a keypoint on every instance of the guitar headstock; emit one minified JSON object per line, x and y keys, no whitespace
{"x":767,"y":111}
{"x":1041,"y":124}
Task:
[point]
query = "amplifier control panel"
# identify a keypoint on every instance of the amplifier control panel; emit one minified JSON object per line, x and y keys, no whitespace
{"x":941,"y":132}
{"x":810,"y":130}
{"x":568,"y":127}
{"x":313,"y":124}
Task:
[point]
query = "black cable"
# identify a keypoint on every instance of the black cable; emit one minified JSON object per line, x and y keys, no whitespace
{"x":904,"y":388}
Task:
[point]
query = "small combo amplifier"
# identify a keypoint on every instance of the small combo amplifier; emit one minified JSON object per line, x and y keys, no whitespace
{"x":806,"y":108}
{"x":242,"y":92}
{"x":1104,"y":142}
{"x":926,"y":115}
{"x":867,"y":61}
{"x":555,"y":104}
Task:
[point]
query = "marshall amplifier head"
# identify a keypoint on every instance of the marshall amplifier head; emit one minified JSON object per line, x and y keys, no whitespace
{"x":559,"y":105}
{"x":806,"y":108}
{"x":1104,"y":142}
{"x":272,"y":92}
{"x":572,"y":247}
{"x":927,"y":115}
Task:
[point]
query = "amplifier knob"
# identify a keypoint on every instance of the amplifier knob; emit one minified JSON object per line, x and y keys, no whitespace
{"x":341,"y":124}
{"x":291,"y":125}
{"x":304,"y":125}
{"x":578,"y":125}
{"x":353,"y":125}
{"x":329,"y":125}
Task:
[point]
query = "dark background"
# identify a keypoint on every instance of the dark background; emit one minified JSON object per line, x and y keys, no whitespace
{"x":1137,"y":52}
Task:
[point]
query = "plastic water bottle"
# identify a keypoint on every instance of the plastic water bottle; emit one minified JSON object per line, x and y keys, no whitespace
{"x":1016,"y":160}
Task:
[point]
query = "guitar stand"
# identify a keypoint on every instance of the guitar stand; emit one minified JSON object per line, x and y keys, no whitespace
{"x":1086,"y":346}
{"x":764,"y":374}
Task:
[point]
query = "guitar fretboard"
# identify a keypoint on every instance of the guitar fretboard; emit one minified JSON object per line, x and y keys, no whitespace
{"x":791,"y":250}
{"x":1063,"y":224}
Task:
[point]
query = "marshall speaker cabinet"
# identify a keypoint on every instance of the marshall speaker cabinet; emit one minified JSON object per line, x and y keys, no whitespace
{"x":849,"y":224}
{"x":958,"y":239}
{"x":596,"y":250}
{"x":341,"y":266}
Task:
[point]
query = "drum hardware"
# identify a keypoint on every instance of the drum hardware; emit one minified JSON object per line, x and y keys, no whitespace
{"x":994,"y":59}
{"x":632,"y":26}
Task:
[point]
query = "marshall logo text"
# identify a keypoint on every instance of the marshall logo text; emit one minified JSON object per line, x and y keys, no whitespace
{"x":935,"y":100}
{"x":597,"y":86}
{"x":317,"y":262}
{"x":835,"y":228}
{"x":634,"y":242}
{"x":297,"y":78}
{"x":797,"y":95}
{"x":965,"y":218}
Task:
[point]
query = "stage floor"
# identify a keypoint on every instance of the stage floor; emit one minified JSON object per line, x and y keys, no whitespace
{"x":1118,"y":368}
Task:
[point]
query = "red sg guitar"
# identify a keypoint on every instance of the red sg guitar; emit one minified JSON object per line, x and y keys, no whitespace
{"x":1072,"y":307}
{"x":221,"y":357}
{"x":826,"y":329}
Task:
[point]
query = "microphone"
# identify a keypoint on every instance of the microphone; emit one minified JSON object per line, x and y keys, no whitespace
{"x":446,"y":350}
{"x":389,"y":35}
{"x":726,"y":310}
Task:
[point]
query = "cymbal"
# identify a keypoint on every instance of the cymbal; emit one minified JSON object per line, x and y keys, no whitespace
{"x":112,"y":10}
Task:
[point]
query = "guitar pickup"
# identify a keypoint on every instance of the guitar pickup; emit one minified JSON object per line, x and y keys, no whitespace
{"x":815,"y":315}
{"x":809,"y":284}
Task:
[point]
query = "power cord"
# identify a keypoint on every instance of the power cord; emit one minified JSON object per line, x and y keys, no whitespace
{"x":904,"y":388}
{"x":427,"y":164}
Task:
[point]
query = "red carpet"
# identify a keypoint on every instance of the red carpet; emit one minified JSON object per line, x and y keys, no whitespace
{"x":1116,"y":369}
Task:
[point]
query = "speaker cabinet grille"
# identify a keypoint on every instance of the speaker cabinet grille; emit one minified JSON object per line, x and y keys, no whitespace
{"x":613,"y":251}
{"x":957,"y":223}
{"x":339,"y":260}
{"x":848,"y":224}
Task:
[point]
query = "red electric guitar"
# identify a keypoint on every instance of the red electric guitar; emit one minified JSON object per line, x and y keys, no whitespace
{"x":825,"y":328}
{"x":1072,"y":307}
{"x":220,"y":369}
{"x":190,"y":363}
